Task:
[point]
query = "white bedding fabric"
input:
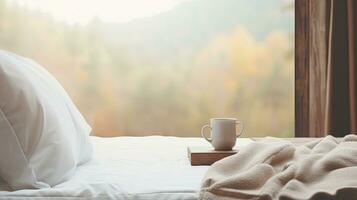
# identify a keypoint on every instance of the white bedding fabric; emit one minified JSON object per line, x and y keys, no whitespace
{"x":43,"y":136}
{"x":153,"y":167}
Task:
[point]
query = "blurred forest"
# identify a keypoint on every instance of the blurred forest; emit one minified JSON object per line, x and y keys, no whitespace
{"x":168,"y":74}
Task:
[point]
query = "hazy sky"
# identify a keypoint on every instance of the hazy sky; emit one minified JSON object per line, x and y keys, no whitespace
{"x":83,"y":11}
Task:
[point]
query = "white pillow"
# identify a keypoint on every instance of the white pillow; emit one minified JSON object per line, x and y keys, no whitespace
{"x":43,"y":137}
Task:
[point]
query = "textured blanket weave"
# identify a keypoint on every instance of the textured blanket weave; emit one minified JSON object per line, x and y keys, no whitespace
{"x":277,"y":169}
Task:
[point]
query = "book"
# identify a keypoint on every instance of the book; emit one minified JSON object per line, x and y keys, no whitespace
{"x":201,"y":155}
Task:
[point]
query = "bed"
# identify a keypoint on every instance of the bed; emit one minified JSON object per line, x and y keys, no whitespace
{"x":289,"y":169}
{"x":153,"y":167}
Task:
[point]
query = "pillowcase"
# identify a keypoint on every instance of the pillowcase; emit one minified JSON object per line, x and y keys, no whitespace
{"x":43,"y":136}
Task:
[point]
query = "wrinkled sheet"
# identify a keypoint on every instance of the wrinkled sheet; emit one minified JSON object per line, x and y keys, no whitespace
{"x":276,"y":169}
{"x":154,"y":167}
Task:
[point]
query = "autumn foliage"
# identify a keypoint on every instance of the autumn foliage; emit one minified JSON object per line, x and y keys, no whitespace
{"x":125,"y":88}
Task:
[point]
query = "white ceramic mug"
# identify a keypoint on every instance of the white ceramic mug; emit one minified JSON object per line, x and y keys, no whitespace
{"x":223,"y":132}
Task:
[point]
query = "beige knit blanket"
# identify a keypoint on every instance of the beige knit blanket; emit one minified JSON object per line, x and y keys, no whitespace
{"x":276,"y":169}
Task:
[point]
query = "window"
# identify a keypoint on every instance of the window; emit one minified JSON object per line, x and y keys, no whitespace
{"x":164,"y":67}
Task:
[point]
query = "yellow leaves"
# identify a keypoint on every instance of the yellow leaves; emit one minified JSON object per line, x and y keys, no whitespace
{"x":105,"y":122}
{"x":278,"y":40}
{"x":243,"y":55}
{"x":232,"y":74}
{"x":254,"y":76}
{"x":243,"y":51}
{"x":82,"y":76}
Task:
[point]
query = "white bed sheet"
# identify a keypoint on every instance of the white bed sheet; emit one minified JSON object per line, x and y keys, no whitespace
{"x":153,"y":167}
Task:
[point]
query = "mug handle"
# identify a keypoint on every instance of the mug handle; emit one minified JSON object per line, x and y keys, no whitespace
{"x":203,"y":132}
{"x":241,"y":129}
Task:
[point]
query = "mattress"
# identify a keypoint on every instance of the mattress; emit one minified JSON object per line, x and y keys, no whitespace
{"x":153,"y":167}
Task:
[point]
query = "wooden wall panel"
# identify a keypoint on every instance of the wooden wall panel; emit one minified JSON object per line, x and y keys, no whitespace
{"x":302,"y":47}
{"x":318,"y":67}
{"x":310,"y":67}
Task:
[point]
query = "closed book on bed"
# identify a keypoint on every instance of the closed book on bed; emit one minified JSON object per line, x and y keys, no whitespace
{"x":201,"y":155}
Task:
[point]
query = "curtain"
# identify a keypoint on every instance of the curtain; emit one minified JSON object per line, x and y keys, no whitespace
{"x":341,"y":100}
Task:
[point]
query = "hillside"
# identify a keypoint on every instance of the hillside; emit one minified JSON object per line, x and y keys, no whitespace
{"x":192,"y":24}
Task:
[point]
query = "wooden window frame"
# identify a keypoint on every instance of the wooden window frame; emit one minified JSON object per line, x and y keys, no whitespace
{"x":311,"y":33}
